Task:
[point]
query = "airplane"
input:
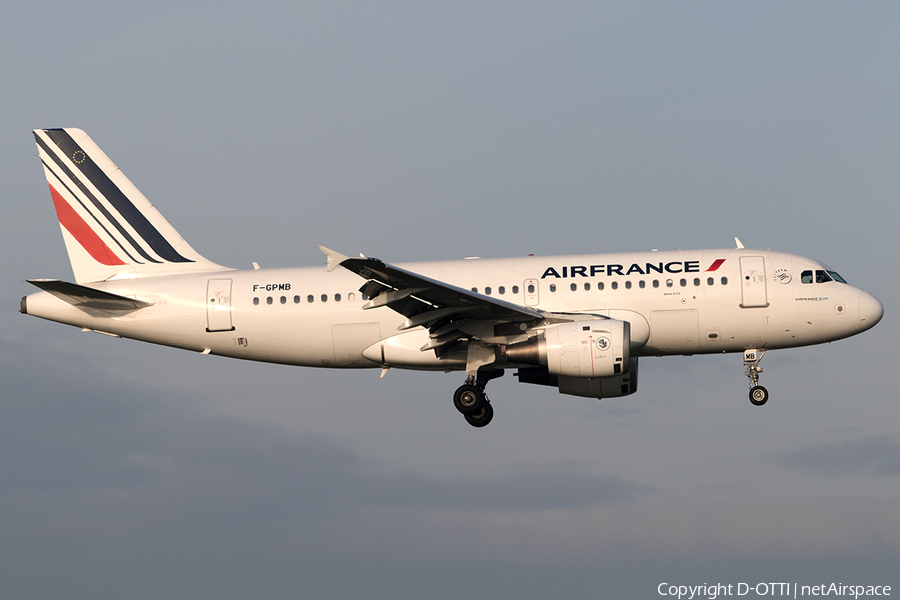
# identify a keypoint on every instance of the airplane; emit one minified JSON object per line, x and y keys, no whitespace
{"x":577,"y":323}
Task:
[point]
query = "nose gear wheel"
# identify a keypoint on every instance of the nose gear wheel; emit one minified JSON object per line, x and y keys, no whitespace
{"x":758,"y":395}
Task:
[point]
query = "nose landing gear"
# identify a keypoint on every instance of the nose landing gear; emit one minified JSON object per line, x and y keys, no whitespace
{"x":758,"y":394}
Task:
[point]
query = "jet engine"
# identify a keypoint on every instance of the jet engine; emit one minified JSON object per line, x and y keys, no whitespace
{"x":582,"y":349}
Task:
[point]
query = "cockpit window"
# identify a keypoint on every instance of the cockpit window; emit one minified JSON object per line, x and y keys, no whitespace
{"x":822,"y":277}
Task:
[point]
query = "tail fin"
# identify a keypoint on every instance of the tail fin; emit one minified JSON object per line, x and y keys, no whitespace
{"x":111,"y":230}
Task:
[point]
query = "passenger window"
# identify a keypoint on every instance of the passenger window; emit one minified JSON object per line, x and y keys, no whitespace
{"x":642,"y":284}
{"x":501,"y":290}
{"x":284,"y":300}
{"x":256,"y":302}
{"x":552,"y":287}
{"x":296,"y":299}
{"x":628,"y":285}
{"x":573,"y":287}
{"x":269,"y":300}
{"x":351,"y":297}
{"x":806,"y":277}
{"x":669,"y":283}
{"x":614,"y":285}
{"x":487,"y":290}
{"x":724,"y":281}
{"x":696,"y":281}
{"x":337,"y":297}
{"x":310,"y":298}
{"x":324,"y":297}
{"x":530,"y":288}
{"x":710,"y":281}
{"x":587,"y":287}
{"x":475,"y":290}
{"x":515,"y":289}
{"x":683,"y":282}
{"x":656,"y":283}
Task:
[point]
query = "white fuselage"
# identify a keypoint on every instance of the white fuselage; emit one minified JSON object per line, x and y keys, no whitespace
{"x":685,"y":302}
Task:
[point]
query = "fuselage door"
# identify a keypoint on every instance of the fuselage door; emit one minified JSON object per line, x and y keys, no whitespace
{"x":753,"y":282}
{"x":218,"y":305}
{"x":530,"y":289}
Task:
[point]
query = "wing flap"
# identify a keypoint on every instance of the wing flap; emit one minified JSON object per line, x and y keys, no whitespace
{"x":392,"y":297}
{"x":430,"y":317}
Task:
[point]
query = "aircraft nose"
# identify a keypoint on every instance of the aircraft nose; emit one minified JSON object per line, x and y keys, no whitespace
{"x":870,"y":310}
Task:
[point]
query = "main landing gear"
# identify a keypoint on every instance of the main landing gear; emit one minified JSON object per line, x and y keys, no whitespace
{"x":471,"y":400}
{"x":758,"y":394}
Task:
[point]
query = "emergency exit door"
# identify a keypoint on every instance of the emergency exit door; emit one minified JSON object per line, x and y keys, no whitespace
{"x":218,"y":305}
{"x":753,"y":282}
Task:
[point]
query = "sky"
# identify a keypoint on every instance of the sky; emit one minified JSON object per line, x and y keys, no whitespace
{"x":417,"y":131}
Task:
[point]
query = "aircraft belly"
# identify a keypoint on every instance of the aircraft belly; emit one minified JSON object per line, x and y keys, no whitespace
{"x":674,"y":331}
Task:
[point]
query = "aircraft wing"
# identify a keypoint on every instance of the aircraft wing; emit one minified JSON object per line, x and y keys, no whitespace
{"x":446,"y":310}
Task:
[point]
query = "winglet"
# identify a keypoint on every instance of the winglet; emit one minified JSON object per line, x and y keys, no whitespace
{"x":738,"y":243}
{"x":334,"y":258}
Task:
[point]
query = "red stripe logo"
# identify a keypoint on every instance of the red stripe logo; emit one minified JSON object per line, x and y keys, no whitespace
{"x":82,"y":232}
{"x":715,"y":266}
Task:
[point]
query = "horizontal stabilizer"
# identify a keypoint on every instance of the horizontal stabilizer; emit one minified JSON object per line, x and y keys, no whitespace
{"x":85,"y":297}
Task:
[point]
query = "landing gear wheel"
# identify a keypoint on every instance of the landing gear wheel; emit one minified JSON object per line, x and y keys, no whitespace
{"x":759,"y":395}
{"x":482,"y":418}
{"x":469,"y":399}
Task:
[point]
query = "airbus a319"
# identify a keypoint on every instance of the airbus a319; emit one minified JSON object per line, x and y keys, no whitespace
{"x":576,"y":323}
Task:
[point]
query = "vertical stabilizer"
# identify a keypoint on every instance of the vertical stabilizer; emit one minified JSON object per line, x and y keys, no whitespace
{"x":111,"y":230}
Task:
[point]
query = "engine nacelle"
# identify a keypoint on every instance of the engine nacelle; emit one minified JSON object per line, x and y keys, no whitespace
{"x":583,"y":349}
{"x":600,"y":387}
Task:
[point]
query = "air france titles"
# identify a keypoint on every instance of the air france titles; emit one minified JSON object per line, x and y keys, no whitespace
{"x":675,"y":266}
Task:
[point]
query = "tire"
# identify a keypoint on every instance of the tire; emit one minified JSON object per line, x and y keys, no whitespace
{"x":483,"y":417}
{"x":759,"y":395}
{"x":469,"y":399}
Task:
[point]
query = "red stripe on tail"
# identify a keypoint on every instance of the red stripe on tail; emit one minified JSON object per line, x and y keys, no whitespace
{"x":82,"y":232}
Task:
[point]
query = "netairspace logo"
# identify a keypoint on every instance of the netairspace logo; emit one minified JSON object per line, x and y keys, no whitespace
{"x":793,"y":590}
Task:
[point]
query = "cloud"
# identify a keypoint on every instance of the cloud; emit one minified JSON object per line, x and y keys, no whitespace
{"x":787,"y":528}
{"x":870,"y":456}
{"x":107,"y":457}
{"x":118,"y":462}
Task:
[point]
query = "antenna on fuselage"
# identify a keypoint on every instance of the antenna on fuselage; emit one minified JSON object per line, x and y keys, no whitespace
{"x":738,"y":243}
